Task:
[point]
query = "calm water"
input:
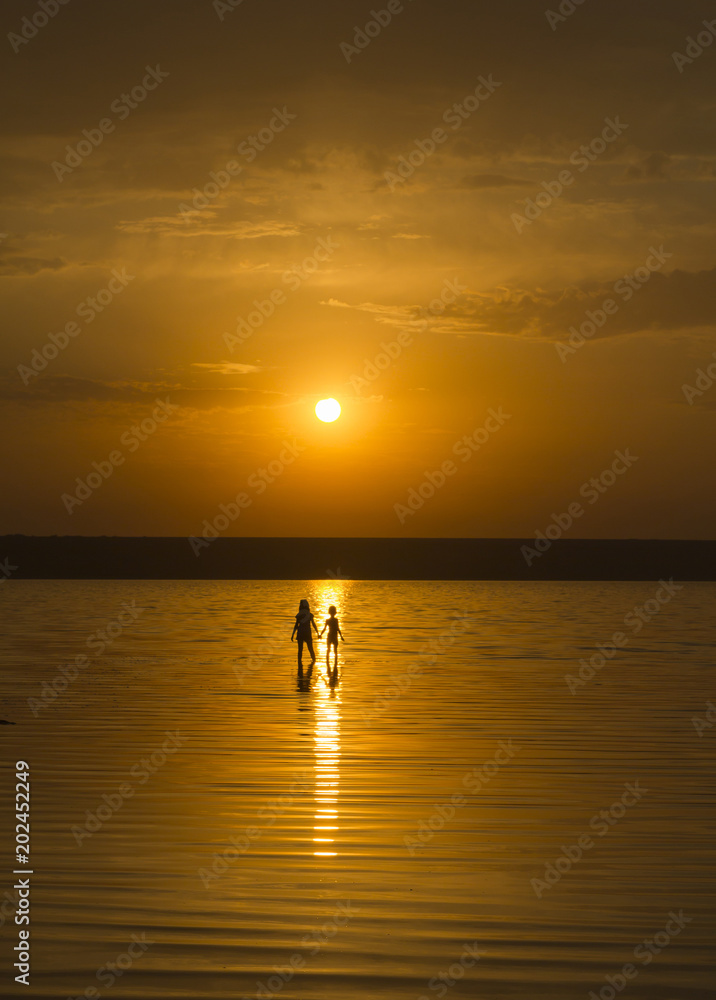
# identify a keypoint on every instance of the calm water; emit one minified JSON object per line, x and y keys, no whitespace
{"x":290,"y":804}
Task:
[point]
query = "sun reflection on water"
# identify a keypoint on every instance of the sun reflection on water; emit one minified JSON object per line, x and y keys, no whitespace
{"x":327,"y":743}
{"x":327,"y":751}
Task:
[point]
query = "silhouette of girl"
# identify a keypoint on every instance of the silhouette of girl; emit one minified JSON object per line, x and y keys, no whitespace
{"x":302,"y":630}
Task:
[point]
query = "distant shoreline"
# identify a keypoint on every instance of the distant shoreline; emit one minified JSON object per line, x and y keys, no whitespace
{"x":85,"y":557}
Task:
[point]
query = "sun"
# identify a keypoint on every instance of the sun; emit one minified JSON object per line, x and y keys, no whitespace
{"x":328,"y":410}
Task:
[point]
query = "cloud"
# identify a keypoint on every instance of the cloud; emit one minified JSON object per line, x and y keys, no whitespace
{"x":227,"y":368}
{"x":492,"y":181}
{"x":204,"y":225}
{"x":390,"y":314}
{"x":411,"y":318}
{"x":373,"y":223}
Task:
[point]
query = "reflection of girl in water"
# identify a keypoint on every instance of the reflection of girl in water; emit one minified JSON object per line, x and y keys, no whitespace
{"x":302,"y":630}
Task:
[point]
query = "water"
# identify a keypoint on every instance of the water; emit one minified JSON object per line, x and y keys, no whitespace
{"x":338,"y":794}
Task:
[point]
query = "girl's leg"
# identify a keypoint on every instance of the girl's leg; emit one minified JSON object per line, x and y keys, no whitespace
{"x":309,"y":645}
{"x":300,"y":651}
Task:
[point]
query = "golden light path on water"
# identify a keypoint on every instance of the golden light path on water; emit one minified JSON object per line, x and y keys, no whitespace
{"x":327,"y":752}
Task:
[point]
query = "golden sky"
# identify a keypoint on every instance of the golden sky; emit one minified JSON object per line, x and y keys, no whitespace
{"x":241,"y":208}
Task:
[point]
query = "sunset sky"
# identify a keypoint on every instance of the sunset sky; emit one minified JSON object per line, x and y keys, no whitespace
{"x":339,"y":221}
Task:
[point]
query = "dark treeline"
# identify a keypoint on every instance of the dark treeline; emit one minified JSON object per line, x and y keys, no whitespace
{"x":66,"y":557}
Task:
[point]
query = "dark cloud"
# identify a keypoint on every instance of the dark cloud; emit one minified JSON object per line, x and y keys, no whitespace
{"x":653,"y":167}
{"x":61,"y":389}
{"x":678,"y":301}
{"x":30,"y":265}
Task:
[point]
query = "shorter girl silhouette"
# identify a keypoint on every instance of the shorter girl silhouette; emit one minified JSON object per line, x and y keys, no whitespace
{"x":334,"y":630}
{"x":302,"y":630}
